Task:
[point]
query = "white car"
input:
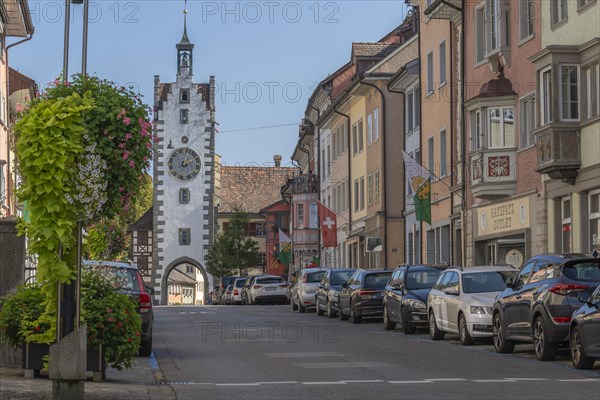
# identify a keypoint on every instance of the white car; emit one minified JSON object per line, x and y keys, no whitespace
{"x":269,"y":288}
{"x":461,"y":301}
{"x":304,"y":292}
{"x":236,"y":297}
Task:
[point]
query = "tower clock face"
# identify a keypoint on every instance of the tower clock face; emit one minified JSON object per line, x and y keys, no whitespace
{"x":184,"y":164}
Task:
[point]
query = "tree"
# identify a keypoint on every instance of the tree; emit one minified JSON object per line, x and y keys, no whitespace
{"x":233,"y":249}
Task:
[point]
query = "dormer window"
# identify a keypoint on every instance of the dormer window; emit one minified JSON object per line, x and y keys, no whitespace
{"x":184,"y":96}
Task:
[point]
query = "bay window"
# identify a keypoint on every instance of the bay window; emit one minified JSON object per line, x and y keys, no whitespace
{"x":501,"y":127}
{"x":546,"y":95}
{"x":569,"y":92}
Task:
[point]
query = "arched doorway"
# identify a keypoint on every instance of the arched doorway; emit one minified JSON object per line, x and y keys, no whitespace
{"x":164,"y":285}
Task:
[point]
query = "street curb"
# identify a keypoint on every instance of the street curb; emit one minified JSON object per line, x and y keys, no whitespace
{"x":158,"y":375}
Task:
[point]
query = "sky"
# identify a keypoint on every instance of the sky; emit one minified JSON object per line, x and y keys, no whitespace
{"x":267,"y":56}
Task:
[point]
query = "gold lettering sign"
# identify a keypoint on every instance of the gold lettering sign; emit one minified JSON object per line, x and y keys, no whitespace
{"x":504,"y":217}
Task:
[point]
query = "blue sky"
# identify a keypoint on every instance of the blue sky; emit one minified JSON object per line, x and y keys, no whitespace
{"x":267,"y":56}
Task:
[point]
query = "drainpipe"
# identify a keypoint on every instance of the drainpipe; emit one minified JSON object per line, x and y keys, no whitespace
{"x":463,"y":141}
{"x":422,"y":238}
{"x":349,"y":142}
{"x":384,"y":196}
{"x":318,"y":134}
{"x":452,"y":138}
{"x":9,"y":124}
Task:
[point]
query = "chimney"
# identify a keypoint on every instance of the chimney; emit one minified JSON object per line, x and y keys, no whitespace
{"x":277,"y":159}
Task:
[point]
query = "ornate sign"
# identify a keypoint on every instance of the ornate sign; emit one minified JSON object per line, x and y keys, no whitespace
{"x":504,"y":217}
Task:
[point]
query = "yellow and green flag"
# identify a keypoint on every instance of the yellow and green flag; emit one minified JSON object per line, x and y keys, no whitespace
{"x":419,"y":179}
{"x":285,"y":248}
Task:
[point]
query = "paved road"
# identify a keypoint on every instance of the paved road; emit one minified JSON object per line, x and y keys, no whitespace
{"x":270,"y":352}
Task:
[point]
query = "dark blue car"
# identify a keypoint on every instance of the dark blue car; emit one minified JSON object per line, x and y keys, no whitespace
{"x":405,"y":297}
{"x":584,"y":330}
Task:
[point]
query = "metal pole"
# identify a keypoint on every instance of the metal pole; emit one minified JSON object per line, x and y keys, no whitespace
{"x":66,"y":41}
{"x":85,"y":38}
{"x":78,"y":284}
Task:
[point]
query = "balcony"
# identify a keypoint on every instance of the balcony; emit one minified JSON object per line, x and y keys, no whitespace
{"x":493,"y":173}
{"x":444,"y":9}
{"x":304,"y":183}
{"x":558,"y":151}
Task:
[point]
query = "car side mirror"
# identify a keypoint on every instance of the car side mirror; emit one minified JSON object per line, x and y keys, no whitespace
{"x":452,"y":290}
{"x":149,"y":290}
{"x":396,"y":287}
{"x":510,"y":282}
{"x":585,"y":298}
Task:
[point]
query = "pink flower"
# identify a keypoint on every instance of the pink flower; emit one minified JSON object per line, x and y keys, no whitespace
{"x":149,"y":145}
{"x":122,"y":113}
{"x":127,"y":121}
{"x":121,"y":188}
{"x":125,"y":155}
{"x":19,"y":107}
{"x":105,"y":133}
{"x":131,"y":164}
{"x":145,"y":158}
{"x":128,"y":136}
{"x":122,"y":145}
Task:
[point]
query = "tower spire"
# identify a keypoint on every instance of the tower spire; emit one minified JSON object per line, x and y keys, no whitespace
{"x":184,"y":49}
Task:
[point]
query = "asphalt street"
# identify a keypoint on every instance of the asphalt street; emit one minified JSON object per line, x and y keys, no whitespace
{"x":270,"y":352}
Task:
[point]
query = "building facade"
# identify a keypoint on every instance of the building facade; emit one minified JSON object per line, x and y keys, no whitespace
{"x":183,"y":173}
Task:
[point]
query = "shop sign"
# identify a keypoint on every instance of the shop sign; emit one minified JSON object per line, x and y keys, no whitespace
{"x":504,"y":217}
{"x":515,"y":258}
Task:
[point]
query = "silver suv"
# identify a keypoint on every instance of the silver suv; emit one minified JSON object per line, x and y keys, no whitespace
{"x":304,"y":291}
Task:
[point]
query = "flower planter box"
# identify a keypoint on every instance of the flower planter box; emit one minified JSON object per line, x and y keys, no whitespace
{"x":34,"y":353}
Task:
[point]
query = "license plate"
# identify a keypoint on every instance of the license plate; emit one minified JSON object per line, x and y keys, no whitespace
{"x":270,"y":289}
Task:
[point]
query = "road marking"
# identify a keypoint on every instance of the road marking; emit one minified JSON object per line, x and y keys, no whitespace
{"x":325,"y":383}
{"x":446,"y":380}
{"x":238,"y":384}
{"x":397,"y":382}
{"x":491,"y":380}
{"x":364,"y":381}
{"x":527,"y":379}
{"x":579,"y":380}
{"x":343,"y":365}
{"x":299,"y":355}
{"x":278,"y":383}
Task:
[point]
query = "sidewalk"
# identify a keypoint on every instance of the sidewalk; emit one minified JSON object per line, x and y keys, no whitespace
{"x":140,"y":383}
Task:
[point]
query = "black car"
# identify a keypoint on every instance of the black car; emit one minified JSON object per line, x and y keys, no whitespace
{"x":362,"y":294}
{"x":131,"y":283}
{"x":405,"y":297}
{"x":585,"y":331}
{"x":328,"y":290}
{"x":538,"y":304}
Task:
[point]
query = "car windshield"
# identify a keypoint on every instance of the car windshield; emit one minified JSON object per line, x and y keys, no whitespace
{"x":314,"y":277}
{"x":377,"y":281}
{"x":485,"y":282}
{"x":421,"y":279}
{"x":269,"y":280}
{"x":122,"y":279}
{"x":339,"y":277}
{"x":587,"y":271}
{"x":240,"y":282}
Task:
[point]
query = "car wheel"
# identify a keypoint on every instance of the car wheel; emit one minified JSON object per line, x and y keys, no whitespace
{"x":407,"y":328}
{"x":501,"y":344}
{"x":434,"y":332}
{"x":301,"y":308}
{"x":463,"y":331}
{"x":146,"y":347}
{"x":387,"y":324}
{"x":356,"y":319}
{"x":320,"y":312}
{"x":580,"y":360}
{"x":341,"y":314}
{"x":544,"y":349}
{"x":330,"y":313}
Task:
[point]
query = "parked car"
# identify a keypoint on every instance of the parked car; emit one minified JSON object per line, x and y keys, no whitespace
{"x":584,"y":336}
{"x":461,"y":301}
{"x":304,"y":291}
{"x":227,"y":295}
{"x":405,"y":297}
{"x":362,"y":294}
{"x":328,"y":291}
{"x":268,"y":288}
{"x":246,"y":288}
{"x":226,"y":281}
{"x":538,"y":304}
{"x":236,"y":297}
{"x":132,"y":284}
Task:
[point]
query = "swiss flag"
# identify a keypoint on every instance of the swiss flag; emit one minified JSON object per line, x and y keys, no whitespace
{"x":328,"y":224}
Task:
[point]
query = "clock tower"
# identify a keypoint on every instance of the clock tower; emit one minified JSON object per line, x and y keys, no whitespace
{"x":183,"y":213}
